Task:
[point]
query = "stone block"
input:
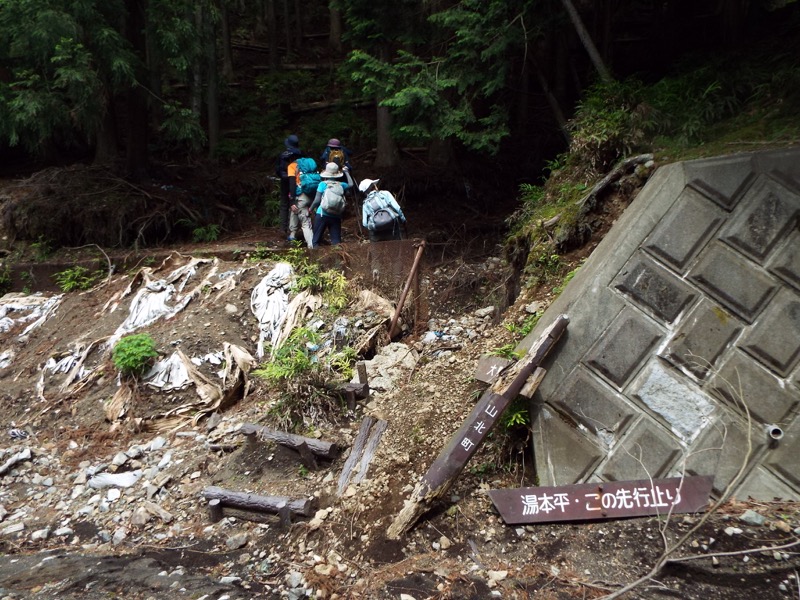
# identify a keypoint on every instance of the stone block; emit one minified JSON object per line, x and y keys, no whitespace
{"x":721,"y":450}
{"x":741,"y":380}
{"x":681,"y":406}
{"x":782,"y":456}
{"x":785,"y":262}
{"x":685,"y":229}
{"x":761,"y":484}
{"x":701,"y":338}
{"x":645,"y":452}
{"x":625,"y":346}
{"x":593,"y":406}
{"x":557,"y":442}
{"x":738,"y":284}
{"x":783,"y":164}
{"x":654,"y":288}
{"x":775,"y":342}
{"x":722,"y":179}
{"x":765,"y":215}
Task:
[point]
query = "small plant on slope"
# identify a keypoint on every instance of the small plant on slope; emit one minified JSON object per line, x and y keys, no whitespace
{"x":133,"y":353}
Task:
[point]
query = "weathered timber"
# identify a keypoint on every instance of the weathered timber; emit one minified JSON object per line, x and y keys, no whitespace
{"x":533,"y":383}
{"x":215,"y":510}
{"x":355,"y":452}
{"x":409,"y":281}
{"x":371,"y":446}
{"x":242,"y":514}
{"x":327,"y":450}
{"x":254,"y":502}
{"x":463,"y":445}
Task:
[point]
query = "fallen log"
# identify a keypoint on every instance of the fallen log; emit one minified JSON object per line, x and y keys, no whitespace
{"x":463,"y":445}
{"x":327,"y":450}
{"x":355,"y":453}
{"x":254,"y":502}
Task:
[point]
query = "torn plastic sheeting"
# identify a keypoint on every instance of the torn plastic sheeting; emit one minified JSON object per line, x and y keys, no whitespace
{"x":6,"y":358}
{"x":168,"y":374}
{"x":120,"y":480}
{"x":34,"y":307}
{"x":215,"y":358}
{"x":269,"y":303}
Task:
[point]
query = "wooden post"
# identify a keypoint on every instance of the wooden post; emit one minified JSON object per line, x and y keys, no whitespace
{"x":307,"y":457}
{"x":215,"y":510}
{"x":250,"y":440}
{"x":361,"y":367}
{"x":407,"y":287}
{"x":463,"y":445}
{"x":284,"y":515}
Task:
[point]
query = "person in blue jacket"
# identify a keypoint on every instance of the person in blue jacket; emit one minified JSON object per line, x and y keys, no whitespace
{"x":325,"y":219}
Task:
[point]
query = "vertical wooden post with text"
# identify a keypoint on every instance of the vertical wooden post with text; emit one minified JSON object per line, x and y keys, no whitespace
{"x":463,"y":445}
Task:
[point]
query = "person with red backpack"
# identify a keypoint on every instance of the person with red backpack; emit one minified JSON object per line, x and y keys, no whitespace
{"x":329,"y":205}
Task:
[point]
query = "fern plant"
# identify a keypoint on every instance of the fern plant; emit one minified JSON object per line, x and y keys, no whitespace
{"x":76,"y":278}
{"x":133,"y":353}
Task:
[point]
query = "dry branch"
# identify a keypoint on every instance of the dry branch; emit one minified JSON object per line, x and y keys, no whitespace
{"x":254,"y":502}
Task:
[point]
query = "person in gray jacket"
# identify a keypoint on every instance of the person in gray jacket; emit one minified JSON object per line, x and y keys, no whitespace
{"x":381,"y":215}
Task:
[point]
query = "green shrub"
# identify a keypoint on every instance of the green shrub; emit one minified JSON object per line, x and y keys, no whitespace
{"x":76,"y":278}
{"x":133,"y":353}
{"x":208,"y":233}
{"x":5,"y":279}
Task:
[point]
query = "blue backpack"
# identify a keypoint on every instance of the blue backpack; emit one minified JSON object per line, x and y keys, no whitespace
{"x":309,"y":178}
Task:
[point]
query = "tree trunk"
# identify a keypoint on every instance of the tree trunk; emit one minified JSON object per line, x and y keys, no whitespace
{"x":335,"y":37}
{"x":136,"y":156}
{"x":272,"y":33}
{"x":227,"y":55}
{"x":105,"y":147}
{"x":287,"y":27}
{"x":212,"y":94}
{"x":387,"y":154}
{"x":196,"y":87}
{"x":440,"y":153}
{"x":586,"y":40}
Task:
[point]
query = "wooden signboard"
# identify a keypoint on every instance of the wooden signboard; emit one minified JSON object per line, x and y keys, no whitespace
{"x":490,"y":367}
{"x":598,"y":501}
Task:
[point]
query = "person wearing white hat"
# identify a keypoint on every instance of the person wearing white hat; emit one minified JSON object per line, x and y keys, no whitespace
{"x":381,"y":215}
{"x":329,"y":205}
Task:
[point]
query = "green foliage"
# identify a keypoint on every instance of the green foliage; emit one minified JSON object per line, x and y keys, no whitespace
{"x":41,"y":249}
{"x":517,"y":414}
{"x":342,"y":362}
{"x":133,"y":353}
{"x":181,"y":128}
{"x":76,"y":278}
{"x":331,"y":285}
{"x":505,"y":351}
{"x":5,"y":279}
{"x":207,"y":233}
{"x":293,"y":358}
{"x":525,"y":327}
{"x":567,"y":278}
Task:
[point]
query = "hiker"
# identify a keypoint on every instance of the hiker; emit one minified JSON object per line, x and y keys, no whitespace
{"x":381,"y":215}
{"x":290,"y":153}
{"x":335,"y":152}
{"x":328,"y":205}
{"x":303,"y":183}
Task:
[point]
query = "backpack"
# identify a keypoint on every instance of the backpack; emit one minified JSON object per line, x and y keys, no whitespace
{"x":309,"y":178}
{"x":333,"y":198}
{"x":382,"y":218}
{"x":336,"y":155}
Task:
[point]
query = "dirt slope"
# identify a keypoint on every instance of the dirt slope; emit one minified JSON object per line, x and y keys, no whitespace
{"x":65,"y":534}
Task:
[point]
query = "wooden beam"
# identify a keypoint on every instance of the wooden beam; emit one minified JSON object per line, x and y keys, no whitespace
{"x":327,"y":450}
{"x":254,"y":502}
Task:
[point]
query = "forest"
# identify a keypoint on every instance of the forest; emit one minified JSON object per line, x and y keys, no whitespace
{"x":424,"y":89}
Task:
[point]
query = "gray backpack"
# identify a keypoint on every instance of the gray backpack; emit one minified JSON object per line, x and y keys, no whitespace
{"x":333,"y":198}
{"x":382,"y":218}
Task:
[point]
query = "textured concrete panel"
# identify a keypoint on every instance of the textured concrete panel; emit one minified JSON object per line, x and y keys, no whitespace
{"x":761,"y":484}
{"x":741,"y":381}
{"x":770,"y":212}
{"x":776,"y":342}
{"x":786,"y":261}
{"x":685,"y":410}
{"x":722,"y":449}
{"x":557,"y":442}
{"x":702,"y":338}
{"x":721,"y":178}
{"x":732,"y":280}
{"x":685,"y":230}
{"x":694,"y":290}
{"x":646,"y":452}
{"x":593,"y":406}
{"x":654,"y":288}
{"x":624,"y":347}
